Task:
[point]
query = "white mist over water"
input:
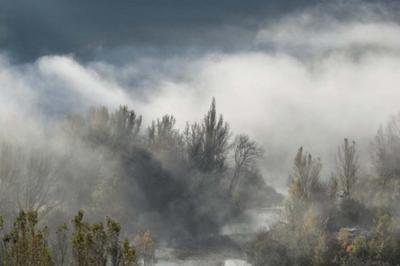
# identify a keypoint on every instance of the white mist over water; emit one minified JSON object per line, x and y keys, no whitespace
{"x":252,"y":222}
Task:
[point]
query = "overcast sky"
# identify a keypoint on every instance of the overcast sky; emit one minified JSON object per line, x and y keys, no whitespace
{"x":288,"y":73}
{"x":35,"y":28}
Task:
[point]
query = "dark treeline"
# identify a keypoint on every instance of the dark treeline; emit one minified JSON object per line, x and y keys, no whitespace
{"x":348,"y":219}
{"x":191,"y":182}
{"x":180,"y":185}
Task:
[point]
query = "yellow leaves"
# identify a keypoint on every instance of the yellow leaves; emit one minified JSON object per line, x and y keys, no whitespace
{"x":344,"y":237}
{"x":145,"y":245}
{"x":305,"y":179}
{"x":353,"y":245}
{"x":311,"y":219}
{"x":349,"y":249}
{"x":295,"y":189}
{"x":145,"y":242}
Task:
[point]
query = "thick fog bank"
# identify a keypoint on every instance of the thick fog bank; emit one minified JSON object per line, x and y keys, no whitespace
{"x":309,"y":78}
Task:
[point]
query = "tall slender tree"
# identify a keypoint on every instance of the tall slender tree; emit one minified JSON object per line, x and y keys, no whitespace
{"x":208,"y":142}
{"x":305,"y":179}
{"x":347,"y":166}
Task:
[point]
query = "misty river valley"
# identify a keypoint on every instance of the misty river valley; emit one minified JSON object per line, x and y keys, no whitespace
{"x":199,"y":133}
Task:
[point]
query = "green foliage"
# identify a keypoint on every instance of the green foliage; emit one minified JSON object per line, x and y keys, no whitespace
{"x":181,"y":178}
{"x":128,"y":254}
{"x":91,"y":244}
{"x":25,"y":244}
{"x":96,"y":244}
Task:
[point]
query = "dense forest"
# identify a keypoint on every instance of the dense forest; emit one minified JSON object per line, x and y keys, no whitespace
{"x":178,"y":188}
{"x":164,"y":186}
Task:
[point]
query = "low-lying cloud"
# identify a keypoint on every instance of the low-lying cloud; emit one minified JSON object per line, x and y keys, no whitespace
{"x":307,"y":80}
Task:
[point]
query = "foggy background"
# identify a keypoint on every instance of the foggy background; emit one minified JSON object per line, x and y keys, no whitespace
{"x":288,"y":74}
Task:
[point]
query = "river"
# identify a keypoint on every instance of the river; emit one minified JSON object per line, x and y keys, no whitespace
{"x":239,"y":231}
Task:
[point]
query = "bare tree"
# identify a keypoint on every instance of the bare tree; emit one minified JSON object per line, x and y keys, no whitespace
{"x":125,"y":125}
{"x":9,"y":170}
{"x":246,"y":152}
{"x":98,"y":130}
{"x":38,"y":181}
{"x":347,"y":166}
{"x":30,"y":177}
{"x":117,"y":129}
{"x":386,"y":150}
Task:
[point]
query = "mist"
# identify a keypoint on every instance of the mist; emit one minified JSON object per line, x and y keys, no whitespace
{"x":326,"y":77}
{"x":287,"y":76}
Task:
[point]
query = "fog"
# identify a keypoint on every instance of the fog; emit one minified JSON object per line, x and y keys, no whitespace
{"x":312,"y":80}
{"x":308,"y":76}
